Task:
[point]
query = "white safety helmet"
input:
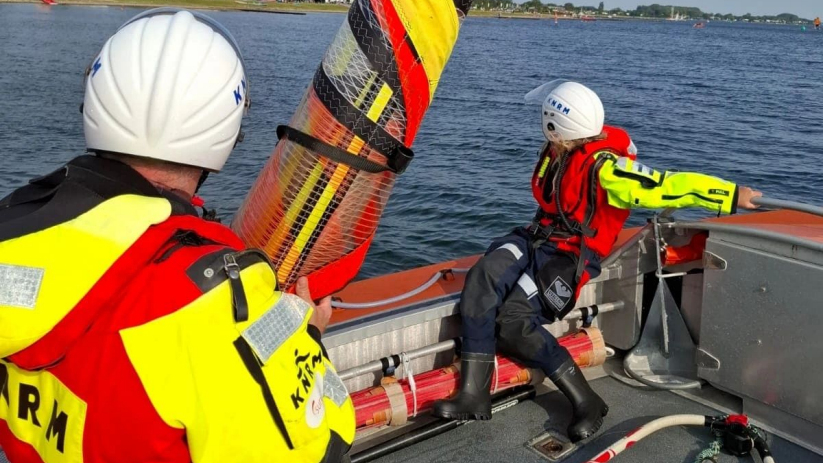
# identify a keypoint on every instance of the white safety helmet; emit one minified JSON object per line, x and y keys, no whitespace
{"x":570,"y":110}
{"x":170,"y":85}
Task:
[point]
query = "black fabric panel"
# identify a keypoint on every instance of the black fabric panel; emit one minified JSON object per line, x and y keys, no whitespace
{"x":71,"y":191}
{"x":562,"y":265}
{"x":4,"y":384}
{"x":355,"y":120}
{"x":337,"y":450}
{"x":645,"y":182}
{"x":25,"y":218}
{"x":315,"y":334}
{"x":698,"y":195}
{"x":374,"y":44}
{"x":198,"y":271}
{"x":179,"y":206}
{"x":735,"y":198}
{"x":463,"y":5}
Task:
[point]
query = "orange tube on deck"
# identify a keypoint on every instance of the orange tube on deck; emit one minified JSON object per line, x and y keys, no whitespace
{"x":373,"y":406}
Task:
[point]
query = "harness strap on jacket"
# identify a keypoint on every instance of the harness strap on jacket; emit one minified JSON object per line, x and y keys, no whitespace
{"x":573,"y":227}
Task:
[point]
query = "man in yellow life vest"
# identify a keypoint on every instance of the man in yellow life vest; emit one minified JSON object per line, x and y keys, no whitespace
{"x":132,"y":330}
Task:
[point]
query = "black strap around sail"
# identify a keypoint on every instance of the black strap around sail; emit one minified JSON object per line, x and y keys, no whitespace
{"x":332,"y":152}
{"x":398,"y":156}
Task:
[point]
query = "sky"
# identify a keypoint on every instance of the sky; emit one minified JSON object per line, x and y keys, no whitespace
{"x":803,"y":8}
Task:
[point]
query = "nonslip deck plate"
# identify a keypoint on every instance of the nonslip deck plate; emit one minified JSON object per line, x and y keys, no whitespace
{"x":552,"y":446}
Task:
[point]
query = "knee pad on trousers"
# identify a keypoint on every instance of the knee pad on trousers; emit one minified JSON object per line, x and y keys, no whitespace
{"x":484,"y":278}
{"x":531,"y":344}
{"x":517,"y":340}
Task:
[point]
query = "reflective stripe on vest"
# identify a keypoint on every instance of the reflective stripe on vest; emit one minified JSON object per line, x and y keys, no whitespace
{"x":281,"y":391}
{"x":156,"y":377}
{"x":44,"y":275}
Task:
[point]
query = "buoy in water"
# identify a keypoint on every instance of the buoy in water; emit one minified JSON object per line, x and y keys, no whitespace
{"x":802,"y":28}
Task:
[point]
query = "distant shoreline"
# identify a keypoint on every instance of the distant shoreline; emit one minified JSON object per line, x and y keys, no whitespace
{"x":595,"y":18}
{"x":310,"y":7}
{"x":215,"y":5}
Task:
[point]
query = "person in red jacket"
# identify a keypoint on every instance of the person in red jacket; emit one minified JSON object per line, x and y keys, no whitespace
{"x":131,"y":329}
{"x":586,"y":181}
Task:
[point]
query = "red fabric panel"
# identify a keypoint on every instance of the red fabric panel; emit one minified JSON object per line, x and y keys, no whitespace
{"x":17,"y":451}
{"x":413,"y":79}
{"x":89,"y":358}
{"x":333,"y":277}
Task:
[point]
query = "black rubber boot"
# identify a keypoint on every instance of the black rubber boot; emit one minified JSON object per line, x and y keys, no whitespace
{"x":588,"y":409}
{"x":473,"y":402}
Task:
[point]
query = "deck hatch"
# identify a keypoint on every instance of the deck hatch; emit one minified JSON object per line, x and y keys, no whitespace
{"x":552,"y":446}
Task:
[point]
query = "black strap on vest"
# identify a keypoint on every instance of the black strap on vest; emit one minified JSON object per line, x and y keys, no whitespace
{"x":561,"y":221}
{"x":588,"y":315}
{"x":560,"y":224}
{"x":239,"y":304}
{"x":574,"y":227}
{"x":226,"y":264}
{"x":256,"y":371}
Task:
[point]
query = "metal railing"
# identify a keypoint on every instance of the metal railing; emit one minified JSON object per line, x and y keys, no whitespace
{"x":790,"y":205}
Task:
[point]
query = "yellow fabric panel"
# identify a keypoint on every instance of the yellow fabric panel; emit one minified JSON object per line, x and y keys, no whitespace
{"x":356,"y":145}
{"x":318,"y":210}
{"x":314,"y":218}
{"x":343,"y":416}
{"x":284,"y":227}
{"x":631,"y":185}
{"x":380,"y":103}
{"x":87,"y":247}
{"x":196,"y":379}
{"x":364,"y":92}
{"x":54,"y":418}
{"x":432,"y":26}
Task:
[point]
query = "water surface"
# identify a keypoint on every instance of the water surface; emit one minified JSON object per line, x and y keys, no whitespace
{"x":733,"y":100}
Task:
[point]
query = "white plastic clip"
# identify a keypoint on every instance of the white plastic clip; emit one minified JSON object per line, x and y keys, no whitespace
{"x":496,"y":376}
{"x":410,"y":375}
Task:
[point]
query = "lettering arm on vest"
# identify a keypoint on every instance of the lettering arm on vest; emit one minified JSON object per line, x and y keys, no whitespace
{"x":631,"y":185}
{"x":255,"y":390}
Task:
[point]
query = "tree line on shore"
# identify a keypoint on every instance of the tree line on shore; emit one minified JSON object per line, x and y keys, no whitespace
{"x":643,"y":11}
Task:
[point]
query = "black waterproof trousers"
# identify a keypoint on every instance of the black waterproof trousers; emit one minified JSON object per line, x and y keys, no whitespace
{"x":501,"y":303}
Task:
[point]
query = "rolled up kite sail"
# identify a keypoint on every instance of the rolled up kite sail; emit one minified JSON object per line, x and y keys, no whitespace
{"x":315,"y":207}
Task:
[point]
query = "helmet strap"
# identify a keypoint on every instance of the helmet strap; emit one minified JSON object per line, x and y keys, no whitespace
{"x":241,"y":135}
{"x":202,"y":180}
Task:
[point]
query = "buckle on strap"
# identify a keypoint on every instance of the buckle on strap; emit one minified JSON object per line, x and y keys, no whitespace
{"x":400,"y":159}
{"x":540,"y":231}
